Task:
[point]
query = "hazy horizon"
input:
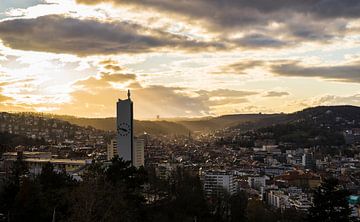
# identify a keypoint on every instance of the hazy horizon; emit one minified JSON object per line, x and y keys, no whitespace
{"x":178,"y":118}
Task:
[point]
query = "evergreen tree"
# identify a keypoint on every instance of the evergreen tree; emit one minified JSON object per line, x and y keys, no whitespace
{"x":109,"y":193}
{"x":18,"y":172}
{"x":257,"y":212}
{"x":330,"y":203}
{"x":28,"y":205}
{"x":180,"y":199}
{"x":55,"y":188}
{"x":238,"y":205}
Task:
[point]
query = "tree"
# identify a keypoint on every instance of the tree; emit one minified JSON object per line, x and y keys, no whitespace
{"x":256,"y":211}
{"x":28,"y":203}
{"x":55,"y":188}
{"x":12,"y":184}
{"x":187,"y":193}
{"x":290,"y":215}
{"x":238,"y":205}
{"x":109,"y":193}
{"x":330,"y":203}
{"x":181,"y":199}
{"x":36,"y":198}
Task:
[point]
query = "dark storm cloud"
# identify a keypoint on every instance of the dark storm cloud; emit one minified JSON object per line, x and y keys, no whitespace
{"x":59,"y":34}
{"x":345,"y":73}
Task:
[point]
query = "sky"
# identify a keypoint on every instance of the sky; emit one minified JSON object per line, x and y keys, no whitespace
{"x":183,"y":58}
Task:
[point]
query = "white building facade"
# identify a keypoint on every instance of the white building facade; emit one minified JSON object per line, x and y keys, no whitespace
{"x":138,"y":152}
{"x":216,"y":182}
{"x":111,"y":150}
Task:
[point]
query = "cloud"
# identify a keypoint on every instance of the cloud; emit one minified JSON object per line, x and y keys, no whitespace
{"x":12,"y":62}
{"x":345,"y":73}
{"x":59,"y":34}
{"x":113,"y":67}
{"x":4,"y":98}
{"x":97,"y":97}
{"x":337,"y":100}
{"x":307,"y":20}
{"x":260,"y":23}
{"x":260,"y":41}
{"x":105,"y":80}
{"x":239,"y":67}
{"x":149,"y":102}
{"x":276,"y":94}
{"x":10,"y":4}
{"x":235,"y":12}
{"x":327,"y":100}
{"x":226,"y":93}
{"x":7,"y":4}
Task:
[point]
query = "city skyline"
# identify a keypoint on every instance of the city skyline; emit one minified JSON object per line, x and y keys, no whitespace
{"x":76,"y":57}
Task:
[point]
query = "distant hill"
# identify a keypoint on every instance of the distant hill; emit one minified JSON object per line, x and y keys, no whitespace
{"x":109,"y":124}
{"x":226,"y":121}
{"x":182,"y":126}
{"x":329,"y":113}
{"x":325,"y":115}
{"x":322,"y":127}
{"x":175,"y":126}
{"x":38,"y":126}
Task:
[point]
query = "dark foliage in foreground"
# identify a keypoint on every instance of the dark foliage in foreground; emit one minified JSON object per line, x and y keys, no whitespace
{"x":116,"y":191}
{"x":112,"y":191}
{"x":330,"y":203}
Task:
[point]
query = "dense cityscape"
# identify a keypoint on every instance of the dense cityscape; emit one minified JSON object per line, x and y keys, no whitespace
{"x":273,"y":168}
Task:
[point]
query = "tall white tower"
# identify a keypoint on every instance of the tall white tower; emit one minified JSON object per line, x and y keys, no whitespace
{"x":124,"y":124}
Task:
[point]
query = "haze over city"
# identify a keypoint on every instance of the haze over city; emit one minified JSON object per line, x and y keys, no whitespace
{"x":179,"y":58}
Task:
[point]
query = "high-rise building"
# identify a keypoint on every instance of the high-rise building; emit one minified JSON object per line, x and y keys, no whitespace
{"x":138,"y":152}
{"x":125,"y":146}
{"x":216,"y":182}
{"x":125,"y":132}
{"x":111,"y":149}
{"x":308,"y":161}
